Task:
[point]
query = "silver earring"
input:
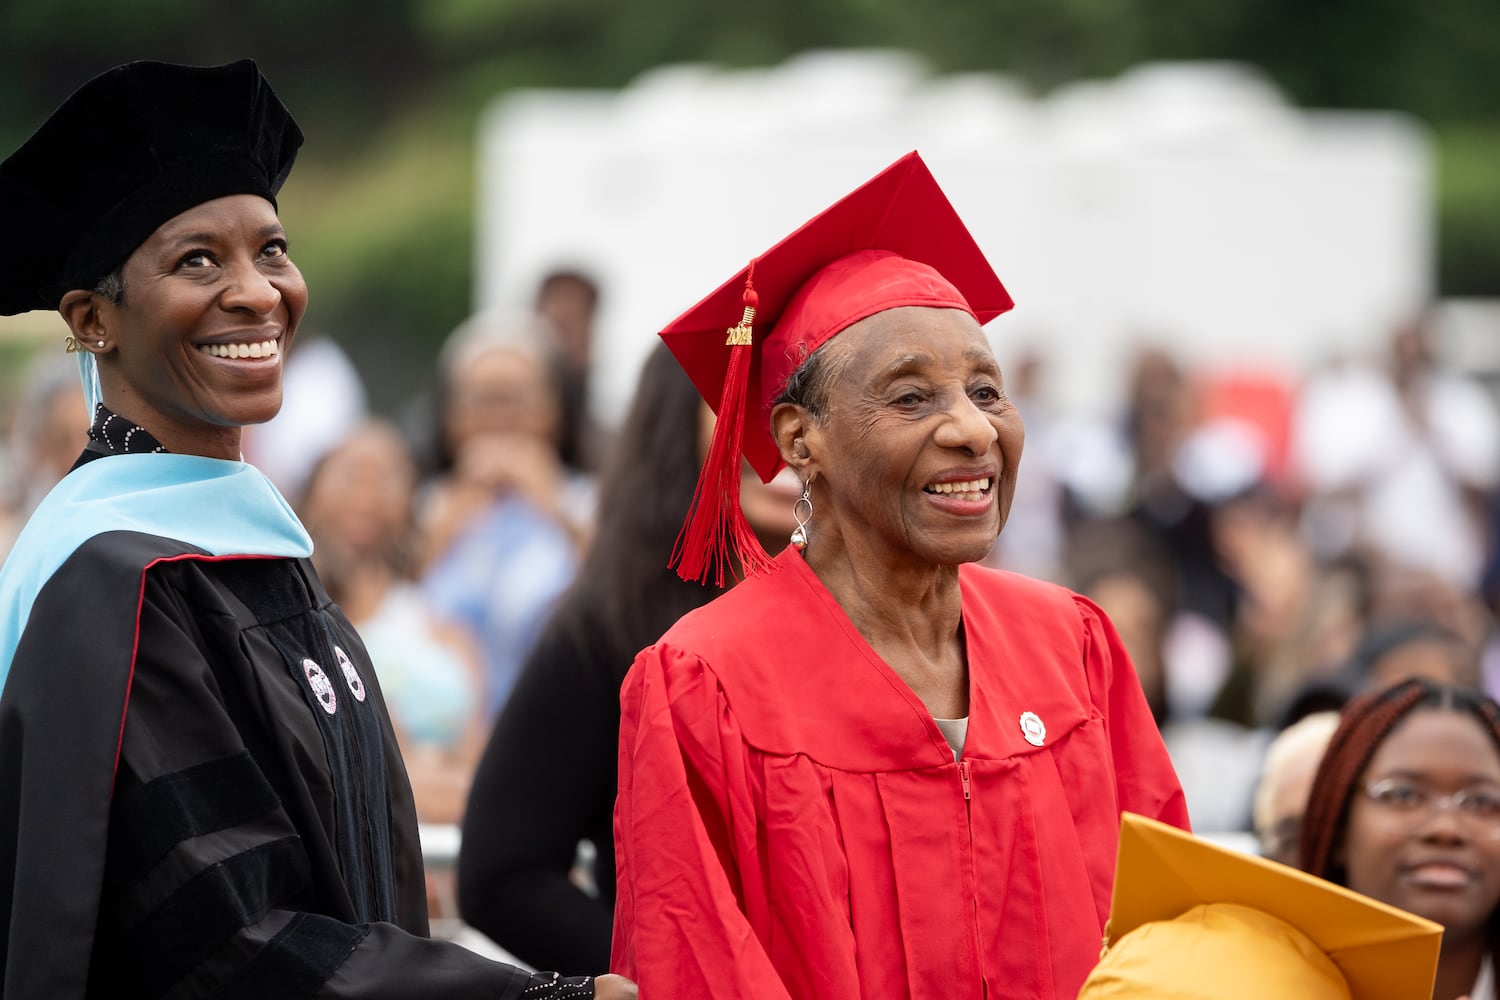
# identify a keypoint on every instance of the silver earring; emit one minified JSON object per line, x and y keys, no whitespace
{"x":101,"y":343}
{"x":802,"y":510}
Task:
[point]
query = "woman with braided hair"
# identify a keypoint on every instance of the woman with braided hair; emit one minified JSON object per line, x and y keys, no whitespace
{"x":1405,"y":808}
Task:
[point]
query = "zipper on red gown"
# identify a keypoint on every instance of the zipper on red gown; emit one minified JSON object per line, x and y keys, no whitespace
{"x":963,"y":776}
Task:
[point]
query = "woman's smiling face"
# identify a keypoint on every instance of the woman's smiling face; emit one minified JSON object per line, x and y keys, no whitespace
{"x":919,"y":448}
{"x":1408,"y":843}
{"x":195,"y":349}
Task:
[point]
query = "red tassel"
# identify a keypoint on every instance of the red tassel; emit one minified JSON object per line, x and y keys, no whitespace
{"x":716,"y":532}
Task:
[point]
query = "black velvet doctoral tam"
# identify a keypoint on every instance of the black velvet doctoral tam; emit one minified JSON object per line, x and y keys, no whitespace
{"x":130,"y":149}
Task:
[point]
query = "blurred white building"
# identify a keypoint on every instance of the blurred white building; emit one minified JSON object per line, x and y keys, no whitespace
{"x":1186,"y":205}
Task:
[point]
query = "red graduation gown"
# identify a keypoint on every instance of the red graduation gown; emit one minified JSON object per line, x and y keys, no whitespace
{"x":791,"y":822}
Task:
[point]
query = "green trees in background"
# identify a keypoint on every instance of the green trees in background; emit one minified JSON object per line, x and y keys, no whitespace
{"x":387,"y":91}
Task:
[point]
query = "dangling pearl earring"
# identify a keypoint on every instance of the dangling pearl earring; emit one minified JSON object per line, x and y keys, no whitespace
{"x":802,"y":506}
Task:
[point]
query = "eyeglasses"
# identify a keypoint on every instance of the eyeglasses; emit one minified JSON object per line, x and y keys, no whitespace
{"x":1480,"y":806}
{"x":1279,"y":842}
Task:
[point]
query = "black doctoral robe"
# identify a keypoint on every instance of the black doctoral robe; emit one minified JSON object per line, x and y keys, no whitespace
{"x":200,"y":793}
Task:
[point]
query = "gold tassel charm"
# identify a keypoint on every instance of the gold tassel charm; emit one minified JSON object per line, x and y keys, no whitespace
{"x":739,"y":334}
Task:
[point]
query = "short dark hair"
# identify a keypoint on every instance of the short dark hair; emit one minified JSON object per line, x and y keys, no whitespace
{"x":811,"y":383}
{"x":112,"y":285}
{"x":559,"y":277}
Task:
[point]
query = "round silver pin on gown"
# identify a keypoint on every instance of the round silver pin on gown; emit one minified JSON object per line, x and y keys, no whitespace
{"x":1033,"y":728}
{"x":321,"y":686}
{"x":351,"y":676}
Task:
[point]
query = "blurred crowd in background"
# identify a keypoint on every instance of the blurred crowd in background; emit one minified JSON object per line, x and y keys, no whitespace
{"x":1267,"y":546}
{"x":1267,"y":549}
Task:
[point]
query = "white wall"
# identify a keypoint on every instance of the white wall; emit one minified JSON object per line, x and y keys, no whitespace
{"x":1182,"y":204}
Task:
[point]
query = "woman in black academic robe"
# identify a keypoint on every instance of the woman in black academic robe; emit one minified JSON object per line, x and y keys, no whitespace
{"x":200,"y":791}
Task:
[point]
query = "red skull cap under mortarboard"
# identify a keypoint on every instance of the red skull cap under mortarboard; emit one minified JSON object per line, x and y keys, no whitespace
{"x":895,"y":241}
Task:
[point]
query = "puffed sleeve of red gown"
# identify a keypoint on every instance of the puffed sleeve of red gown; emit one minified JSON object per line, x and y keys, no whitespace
{"x":1144,"y":777}
{"x":684,"y":813}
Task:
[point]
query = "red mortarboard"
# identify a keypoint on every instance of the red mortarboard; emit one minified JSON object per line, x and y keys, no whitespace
{"x":895,"y":241}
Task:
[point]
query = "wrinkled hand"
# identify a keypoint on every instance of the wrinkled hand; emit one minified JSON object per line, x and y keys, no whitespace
{"x":614,"y":988}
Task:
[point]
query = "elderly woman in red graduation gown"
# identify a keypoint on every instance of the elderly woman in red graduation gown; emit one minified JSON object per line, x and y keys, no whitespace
{"x":872,"y":769}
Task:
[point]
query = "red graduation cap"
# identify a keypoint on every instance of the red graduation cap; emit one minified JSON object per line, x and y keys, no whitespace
{"x":895,"y":241}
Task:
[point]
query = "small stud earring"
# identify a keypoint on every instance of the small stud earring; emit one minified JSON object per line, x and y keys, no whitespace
{"x":101,"y":343}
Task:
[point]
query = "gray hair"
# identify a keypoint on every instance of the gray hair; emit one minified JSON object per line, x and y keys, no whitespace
{"x":486,"y":331}
{"x":112,"y":286}
{"x":811,"y":384}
